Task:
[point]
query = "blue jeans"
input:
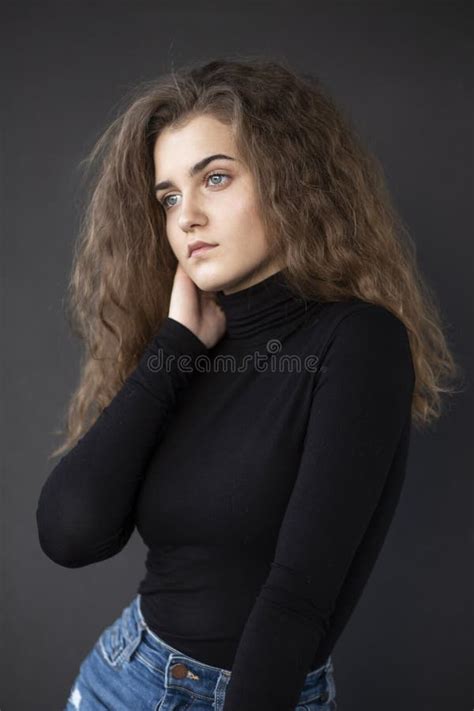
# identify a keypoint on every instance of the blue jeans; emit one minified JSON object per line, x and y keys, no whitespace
{"x":131,"y":669}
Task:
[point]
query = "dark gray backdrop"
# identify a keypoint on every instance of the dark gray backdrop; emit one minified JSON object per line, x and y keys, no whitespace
{"x":403,"y":70}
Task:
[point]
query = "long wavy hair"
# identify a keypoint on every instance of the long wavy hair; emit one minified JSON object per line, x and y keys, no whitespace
{"x":323,"y":200}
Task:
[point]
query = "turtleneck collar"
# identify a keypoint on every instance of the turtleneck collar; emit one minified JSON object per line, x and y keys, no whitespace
{"x":266,"y":308}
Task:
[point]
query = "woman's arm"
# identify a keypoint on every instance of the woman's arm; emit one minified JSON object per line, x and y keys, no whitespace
{"x":361,"y":403}
{"x":85,"y":511}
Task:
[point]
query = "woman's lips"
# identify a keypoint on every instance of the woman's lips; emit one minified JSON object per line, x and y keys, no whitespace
{"x":202,"y":250}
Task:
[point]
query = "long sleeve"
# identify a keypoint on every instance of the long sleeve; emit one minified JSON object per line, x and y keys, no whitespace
{"x":85,"y":508}
{"x":361,"y":403}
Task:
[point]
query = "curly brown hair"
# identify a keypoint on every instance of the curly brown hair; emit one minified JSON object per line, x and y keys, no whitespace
{"x":324,"y":204}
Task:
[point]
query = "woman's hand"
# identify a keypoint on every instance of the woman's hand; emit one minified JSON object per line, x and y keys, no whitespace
{"x":196,"y":309}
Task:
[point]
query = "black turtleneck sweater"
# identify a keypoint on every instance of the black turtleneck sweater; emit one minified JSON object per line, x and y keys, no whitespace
{"x":262,"y":475}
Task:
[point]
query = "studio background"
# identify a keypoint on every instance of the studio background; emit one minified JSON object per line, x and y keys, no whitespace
{"x":403,"y":70}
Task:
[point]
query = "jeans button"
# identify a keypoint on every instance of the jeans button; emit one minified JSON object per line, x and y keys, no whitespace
{"x":323,"y":697}
{"x":179,"y":671}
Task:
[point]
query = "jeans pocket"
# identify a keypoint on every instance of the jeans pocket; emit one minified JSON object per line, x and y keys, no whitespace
{"x":324,"y":696}
{"x":119,"y":641}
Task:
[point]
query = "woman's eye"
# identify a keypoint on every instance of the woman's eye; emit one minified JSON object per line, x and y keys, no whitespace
{"x":164,"y":203}
{"x":167,"y":205}
{"x":217,"y":175}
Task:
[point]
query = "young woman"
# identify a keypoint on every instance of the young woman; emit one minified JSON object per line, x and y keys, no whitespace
{"x":246,"y":404}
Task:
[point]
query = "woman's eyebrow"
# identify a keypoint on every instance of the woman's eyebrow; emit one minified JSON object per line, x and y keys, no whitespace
{"x":197,"y":168}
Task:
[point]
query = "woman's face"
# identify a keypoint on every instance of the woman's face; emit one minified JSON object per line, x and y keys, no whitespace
{"x":220,"y":210}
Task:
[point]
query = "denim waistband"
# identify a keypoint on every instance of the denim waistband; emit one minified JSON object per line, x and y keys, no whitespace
{"x":180,"y":668}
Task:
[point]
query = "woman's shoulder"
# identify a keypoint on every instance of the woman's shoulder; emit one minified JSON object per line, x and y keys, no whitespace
{"x":355,"y":320}
{"x":363,"y":311}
